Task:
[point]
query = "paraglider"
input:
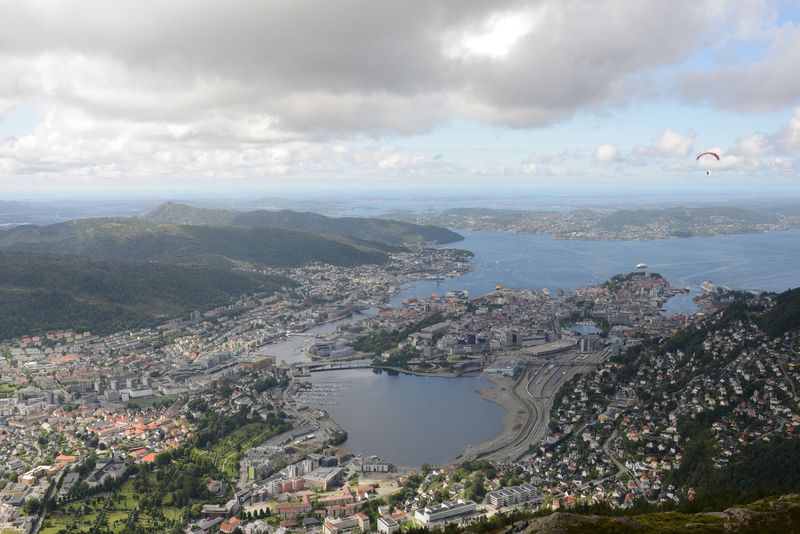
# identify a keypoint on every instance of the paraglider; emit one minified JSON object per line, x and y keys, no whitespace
{"x":710,"y":154}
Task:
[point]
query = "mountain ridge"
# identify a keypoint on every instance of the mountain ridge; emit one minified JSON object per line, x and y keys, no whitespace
{"x":45,"y":292}
{"x":121,"y":238}
{"x":371,"y":229}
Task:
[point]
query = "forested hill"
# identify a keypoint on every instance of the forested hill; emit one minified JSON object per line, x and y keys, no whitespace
{"x":784,"y":316}
{"x":44,"y":292}
{"x":729,"y":384}
{"x":133,"y":238}
{"x":370,"y":229}
{"x":773,"y":514}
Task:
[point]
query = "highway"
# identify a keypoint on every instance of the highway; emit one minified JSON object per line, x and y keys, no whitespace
{"x":535,"y":389}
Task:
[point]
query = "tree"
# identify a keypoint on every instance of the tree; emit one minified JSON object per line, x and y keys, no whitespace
{"x":32,"y":506}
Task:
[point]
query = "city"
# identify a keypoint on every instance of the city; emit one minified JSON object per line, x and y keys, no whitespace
{"x":86,"y":414}
{"x":405,"y":267}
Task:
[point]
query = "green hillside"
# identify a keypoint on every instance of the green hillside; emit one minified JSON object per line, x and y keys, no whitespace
{"x":370,"y":229}
{"x":220,"y":246}
{"x":784,"y":316}
{"x":43,"y":292}
{"x":772,"y":514}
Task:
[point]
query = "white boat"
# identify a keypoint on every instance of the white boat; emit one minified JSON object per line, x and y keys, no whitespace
{"x":641,"y":266}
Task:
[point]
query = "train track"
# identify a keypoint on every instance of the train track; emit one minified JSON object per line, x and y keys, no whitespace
{"x":537,"y":407}
{"x":529,"y":413}
{"x":509,"y":449}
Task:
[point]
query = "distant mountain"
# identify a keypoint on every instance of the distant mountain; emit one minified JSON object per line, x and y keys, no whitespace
{"x":133,"y":238}
{"x":618,"y":224}
{"x":686,"y":220}
{"x":45,"y":292}
{"x":370,"y":229}
{"x":173,"y":212}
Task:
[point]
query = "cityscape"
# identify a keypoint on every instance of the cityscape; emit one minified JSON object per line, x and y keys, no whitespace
{"x":87,"y":414}
{"x":404,"y":267}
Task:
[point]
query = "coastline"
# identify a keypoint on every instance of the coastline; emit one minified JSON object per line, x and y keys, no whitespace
{"x":514,"y":418}
{"x":438,"y":374}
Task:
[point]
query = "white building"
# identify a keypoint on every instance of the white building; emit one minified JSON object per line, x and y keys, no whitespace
{"x":387,"y":525}
{"x":373,"y":464}
{"x":512,"y":495}
{"x":444,"y":513}
{"x":344,"y":525}
{"x":323,"y":477}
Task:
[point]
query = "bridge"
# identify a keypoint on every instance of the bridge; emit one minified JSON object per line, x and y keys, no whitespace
{"x":334,"y":366}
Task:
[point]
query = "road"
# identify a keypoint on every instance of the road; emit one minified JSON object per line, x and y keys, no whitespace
{"x":535,"y":389}
{"x":607,"y":450}
{"x":40,"y":519}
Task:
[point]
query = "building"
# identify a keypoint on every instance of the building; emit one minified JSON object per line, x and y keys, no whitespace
{"x":109,"y":468}
{"x":257,"y":362}
{"x":509,"y":368}
{"x":447,"y":512}
{"x":342,"y":525}
{"x":323,"y":478}
{"x":387,"y":525}
{"x":287,"y":511}
{"x":341,"y":455}
{"x":220,"y":510}
{"x":589,"y":344}
{"x":129,"y":394}
{"x":373,"y":464}
{"x":513,"y":495}
{"x":291,"y":484}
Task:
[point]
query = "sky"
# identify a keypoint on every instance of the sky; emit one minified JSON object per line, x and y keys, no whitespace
{"x":398,"y":95}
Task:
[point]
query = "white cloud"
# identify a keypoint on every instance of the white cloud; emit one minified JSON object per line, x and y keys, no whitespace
{"x":494,"y":38}
{"x":754,"y":146}
{"x":764,"y":84}
{"x":606,"y":154}
{"x":789,"y":137}
{"x":257,"y":88}
{"x":366,"y":64}
{"x":728,"y":161}
{"x":671,"y":143}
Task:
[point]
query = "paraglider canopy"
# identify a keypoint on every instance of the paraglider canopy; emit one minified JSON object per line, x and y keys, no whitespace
{"x":700,"y":155}
{"x":712,"y":154}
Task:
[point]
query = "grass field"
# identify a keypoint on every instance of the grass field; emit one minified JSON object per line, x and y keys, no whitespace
{"x":6,"y":390}
{"x":227,"y":452}
{"x":109,"y":511}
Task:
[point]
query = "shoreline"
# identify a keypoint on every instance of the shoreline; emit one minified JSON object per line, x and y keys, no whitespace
{"x":438,"y":374}
{"x":514,"y":418}
{"x":498,"y":392}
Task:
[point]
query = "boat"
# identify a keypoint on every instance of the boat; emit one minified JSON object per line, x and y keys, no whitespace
{"x":708,"y":285}
{"x":641,"y":266}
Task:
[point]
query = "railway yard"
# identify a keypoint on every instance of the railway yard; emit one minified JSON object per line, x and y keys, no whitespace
{"x":528,"y":400}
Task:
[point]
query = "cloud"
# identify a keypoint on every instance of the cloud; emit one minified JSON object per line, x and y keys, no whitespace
{"x":668,"y":143}
{"x":606,"y":154}
{"x":671,"y":143}
{"x":789,"y":137}
{"x":728,"y":161}
{"x":763,"y":84}
{"x":754,"y":146}
{"x":354,"y":65}
{"x":267,"y":88}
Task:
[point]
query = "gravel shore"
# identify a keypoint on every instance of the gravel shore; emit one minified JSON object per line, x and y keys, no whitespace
{"x":513,"y":420}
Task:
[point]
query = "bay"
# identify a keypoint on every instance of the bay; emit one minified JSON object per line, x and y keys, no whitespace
{"x":410,"y":420}
{"x":769,"y":261}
